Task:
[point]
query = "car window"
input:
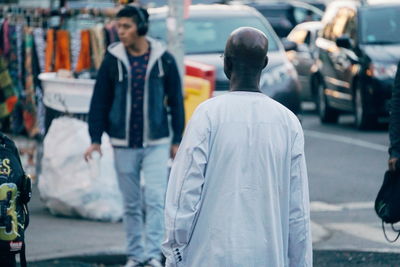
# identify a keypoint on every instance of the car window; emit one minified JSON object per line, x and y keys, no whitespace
{"x":303,"y":15}
{"x":380,"y":25}
{"x":284,"y":16}
{"x":308,"y":38}
{"x":209,"y":35}
{"x":273,"y":12}
{"x":157,"y":3}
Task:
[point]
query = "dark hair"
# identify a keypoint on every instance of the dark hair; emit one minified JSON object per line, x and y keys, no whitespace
{"x":138,"y":15}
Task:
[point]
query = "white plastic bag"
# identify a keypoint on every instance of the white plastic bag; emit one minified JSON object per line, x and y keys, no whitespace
{"x":72,"y":187}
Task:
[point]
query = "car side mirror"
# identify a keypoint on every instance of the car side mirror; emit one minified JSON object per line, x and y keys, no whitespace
{"x":343,"y":41}
{"x":289,"y":45}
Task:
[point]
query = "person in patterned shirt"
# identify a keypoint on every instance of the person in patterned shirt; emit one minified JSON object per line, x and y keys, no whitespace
{"x":137,"y":87}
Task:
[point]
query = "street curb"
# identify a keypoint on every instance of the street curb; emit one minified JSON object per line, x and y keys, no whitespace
{"x":319,"y":233}
{"x":107,"y":259}
{"x":81,"y":256}
{"x":323,"y":257}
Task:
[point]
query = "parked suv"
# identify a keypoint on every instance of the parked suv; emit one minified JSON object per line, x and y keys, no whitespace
{"x":359,"y":51}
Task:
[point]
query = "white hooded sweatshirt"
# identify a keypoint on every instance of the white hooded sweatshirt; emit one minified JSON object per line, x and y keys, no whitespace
{"x":238,"y":190}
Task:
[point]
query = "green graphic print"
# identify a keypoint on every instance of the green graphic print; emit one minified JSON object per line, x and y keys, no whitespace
{"x":8,"y":193}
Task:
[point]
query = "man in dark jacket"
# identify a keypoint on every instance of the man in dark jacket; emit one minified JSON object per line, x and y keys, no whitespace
{"x":394,"y":125}
{"x":138,"y":84}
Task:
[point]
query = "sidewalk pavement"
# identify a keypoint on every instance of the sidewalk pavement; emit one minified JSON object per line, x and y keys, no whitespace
{"x":53,"y":237}
{"x":71,"y":242}
{"x":321,"y":259}
{"x":66,"y":242}
{"x":50,"y":237}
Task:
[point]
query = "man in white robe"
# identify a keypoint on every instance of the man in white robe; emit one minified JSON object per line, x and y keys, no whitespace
{"x":238,"y":189}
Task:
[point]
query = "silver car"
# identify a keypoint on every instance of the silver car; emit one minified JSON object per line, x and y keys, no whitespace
{"x":206,"y":32}
{"x":305,"y":57}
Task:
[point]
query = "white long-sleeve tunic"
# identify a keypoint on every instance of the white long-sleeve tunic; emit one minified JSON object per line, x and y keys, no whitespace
{"x":238,"y":190}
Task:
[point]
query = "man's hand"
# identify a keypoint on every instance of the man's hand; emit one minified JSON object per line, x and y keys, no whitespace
{"x":392,"y":164}
{"x":174,"y":150}
{"x":90,"y":150}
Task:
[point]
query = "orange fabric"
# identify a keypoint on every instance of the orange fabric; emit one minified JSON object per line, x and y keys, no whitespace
{"x":30,"y":123}
{"x":49,"y":51}
{"x":84,"y":61}
{"x":63,"y":54}
{"x":10,"y":102}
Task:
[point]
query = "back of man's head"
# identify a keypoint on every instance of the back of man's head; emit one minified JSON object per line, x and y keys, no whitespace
{"x":246,"y":48}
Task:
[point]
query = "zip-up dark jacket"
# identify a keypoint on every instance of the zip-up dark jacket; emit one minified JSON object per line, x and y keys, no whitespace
{"x":110,"y":107}
{"x":394,"y":125}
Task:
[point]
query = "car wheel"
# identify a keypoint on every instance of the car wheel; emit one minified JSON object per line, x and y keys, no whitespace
{"x":363,"y":120}
{"x":326,"y":113}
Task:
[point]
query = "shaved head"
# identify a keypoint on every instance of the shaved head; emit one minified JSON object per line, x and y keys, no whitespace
{"x":245,"y":52}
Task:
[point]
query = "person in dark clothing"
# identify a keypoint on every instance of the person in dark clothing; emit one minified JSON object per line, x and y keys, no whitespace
{"x":137,"y":87}
{"x":8,"y":260}
{"x":394,"y":124}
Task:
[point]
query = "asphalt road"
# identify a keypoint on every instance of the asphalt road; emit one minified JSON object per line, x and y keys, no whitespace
{"x":345,"y":168}
{"x":344,"y":164}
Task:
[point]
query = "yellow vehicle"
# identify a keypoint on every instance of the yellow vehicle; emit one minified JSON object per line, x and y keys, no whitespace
{"x":199,"y":84}
{"x":196,"y":91}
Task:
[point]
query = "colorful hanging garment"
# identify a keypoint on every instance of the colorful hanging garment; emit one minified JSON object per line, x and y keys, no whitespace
{"x":49,"y":59}
{"x":29,"y":107}
{"x":75,"y":47}
{"x":8,"y":99}
{"x":97,"y":42}
{"x":63,"y":54}
{"x":12,"y":60}
{"x":111,"y":33}
{"x":84,"y":60}
{"x":36,"y":70}
{"x":19,"y":31}
{"x":40,"y":47}
{"x":6,"y":41}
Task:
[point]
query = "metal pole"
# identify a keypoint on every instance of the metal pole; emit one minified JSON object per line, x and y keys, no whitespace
{"x":175,"y":32}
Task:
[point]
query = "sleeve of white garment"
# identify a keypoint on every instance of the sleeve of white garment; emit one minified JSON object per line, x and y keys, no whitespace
{"x":300,"y":242}
{"x":185,"y":188}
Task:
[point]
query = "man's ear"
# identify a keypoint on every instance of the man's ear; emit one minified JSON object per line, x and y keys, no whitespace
{"x":228,"y":67}
{"x":265,"y":61}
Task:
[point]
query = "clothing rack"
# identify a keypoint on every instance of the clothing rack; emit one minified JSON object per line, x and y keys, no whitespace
{"x":34,"y":14}
{"x":26,"y":53}
{"x":32,"y":17}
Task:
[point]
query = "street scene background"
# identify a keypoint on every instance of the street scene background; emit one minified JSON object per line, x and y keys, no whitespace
{"x":346,"y":137}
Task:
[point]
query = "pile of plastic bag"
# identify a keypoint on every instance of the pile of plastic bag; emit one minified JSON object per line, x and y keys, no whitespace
{"x":68,"y":184}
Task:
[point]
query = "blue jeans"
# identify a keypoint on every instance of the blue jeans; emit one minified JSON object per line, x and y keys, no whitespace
{"x":129,"y":163}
